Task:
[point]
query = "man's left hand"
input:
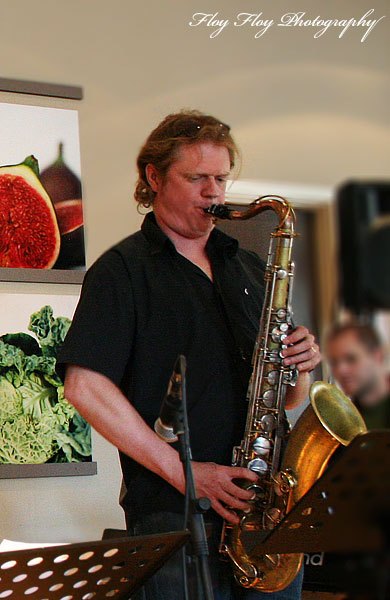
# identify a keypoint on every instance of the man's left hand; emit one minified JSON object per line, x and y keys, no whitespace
{"x":302,"y":350}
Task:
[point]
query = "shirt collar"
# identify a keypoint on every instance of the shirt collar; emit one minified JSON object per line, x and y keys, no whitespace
{"x":157,"y":239}
{"x":223,"y":243}
{"x":155,"y":236}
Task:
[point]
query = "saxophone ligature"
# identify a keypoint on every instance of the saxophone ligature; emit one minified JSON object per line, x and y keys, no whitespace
{"x":330,"y":419}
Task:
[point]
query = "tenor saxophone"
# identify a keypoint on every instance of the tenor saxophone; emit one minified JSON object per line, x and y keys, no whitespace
{"x":287,"y":463}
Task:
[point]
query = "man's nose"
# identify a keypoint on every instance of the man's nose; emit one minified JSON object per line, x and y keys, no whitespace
{"x":211,"y":188}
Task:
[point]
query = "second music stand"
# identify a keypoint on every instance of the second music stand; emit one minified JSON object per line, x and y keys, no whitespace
{"x":347,"y":511}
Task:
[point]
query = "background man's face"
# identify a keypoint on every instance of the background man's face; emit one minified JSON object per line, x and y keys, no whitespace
{"x":353,"y":366}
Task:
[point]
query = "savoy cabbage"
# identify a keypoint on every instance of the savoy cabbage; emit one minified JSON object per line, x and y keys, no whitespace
{"x":37,"y":423}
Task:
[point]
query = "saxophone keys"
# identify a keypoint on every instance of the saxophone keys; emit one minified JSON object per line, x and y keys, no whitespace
{"x":281,"y":273}
{"x":272,"y":516}
{"x":268,"y":422}
{"x":261,"y":446}
{"x":273,"y":377}
{"x":290,"y":376}
{"x":269,"y":398}
{"x":258,"y":492}
{"x":281,"y":314}
{"x":258,"y":466}
{"x":278,"y":336}
{"x":284,"y":483}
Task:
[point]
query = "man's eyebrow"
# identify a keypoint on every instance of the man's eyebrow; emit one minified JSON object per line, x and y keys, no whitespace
{"x":223,"y":174}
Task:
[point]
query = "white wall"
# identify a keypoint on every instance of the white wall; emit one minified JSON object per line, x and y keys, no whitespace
{"x":61,"y":508}
{"x":304,"y":110}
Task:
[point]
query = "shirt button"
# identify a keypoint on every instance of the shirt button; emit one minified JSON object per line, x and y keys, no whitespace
{"x":243,"y":354}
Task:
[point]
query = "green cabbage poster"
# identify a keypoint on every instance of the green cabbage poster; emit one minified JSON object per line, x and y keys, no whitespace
{"x":37,"y":423}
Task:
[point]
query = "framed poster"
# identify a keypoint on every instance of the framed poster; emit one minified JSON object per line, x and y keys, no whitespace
{"x":41,"y":433}
{"x":41,"y":213}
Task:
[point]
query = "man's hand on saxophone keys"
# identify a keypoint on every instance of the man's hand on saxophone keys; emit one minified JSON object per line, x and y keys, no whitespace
{"x":303,"y":352}
{"x":216,"y":483}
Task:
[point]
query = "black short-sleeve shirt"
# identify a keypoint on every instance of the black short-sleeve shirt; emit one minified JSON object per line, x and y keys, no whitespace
{"x":142,"y":304}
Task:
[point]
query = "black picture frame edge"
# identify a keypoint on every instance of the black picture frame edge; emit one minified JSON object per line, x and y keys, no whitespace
{"x":22,"y":471}
{"x":42,"y":275}
{"x":40,"y":88}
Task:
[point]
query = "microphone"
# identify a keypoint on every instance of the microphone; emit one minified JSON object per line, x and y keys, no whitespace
{"x":172,"y":403}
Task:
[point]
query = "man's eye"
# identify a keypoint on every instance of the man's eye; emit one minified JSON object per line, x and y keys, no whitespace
{"x":351,"y":360}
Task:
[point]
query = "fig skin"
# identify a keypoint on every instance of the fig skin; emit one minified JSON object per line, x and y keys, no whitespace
{"x":64,"y":188}
{"x":59,"y":181}
{"x":69,"y":215}
{"x":24,"y":237}
{"x":70,"y":221}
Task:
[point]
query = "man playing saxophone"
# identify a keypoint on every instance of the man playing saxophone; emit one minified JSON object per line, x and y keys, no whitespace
{"x":177,"y":286}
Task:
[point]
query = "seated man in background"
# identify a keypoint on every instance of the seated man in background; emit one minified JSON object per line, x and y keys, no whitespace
{"x":357,"y":361}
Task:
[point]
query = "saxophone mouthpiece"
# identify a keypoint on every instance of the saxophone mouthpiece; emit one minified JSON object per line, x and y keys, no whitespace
{"x":218,"y":210}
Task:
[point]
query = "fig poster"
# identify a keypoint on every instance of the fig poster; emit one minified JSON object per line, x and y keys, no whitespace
{"x":37,"y":424}
{"x":41,"y":213}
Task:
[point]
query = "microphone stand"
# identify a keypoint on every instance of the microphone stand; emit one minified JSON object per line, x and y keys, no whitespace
{"x":194,"y":507}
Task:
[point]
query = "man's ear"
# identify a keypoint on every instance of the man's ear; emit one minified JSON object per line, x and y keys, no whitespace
{"x":153,"y":177}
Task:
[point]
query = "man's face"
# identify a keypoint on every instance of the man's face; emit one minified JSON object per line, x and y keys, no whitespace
{"x":353,"y":366}
{"x":193,"y":182}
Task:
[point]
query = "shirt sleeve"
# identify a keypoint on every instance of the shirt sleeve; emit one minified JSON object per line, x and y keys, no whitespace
{"x":101,"y":334}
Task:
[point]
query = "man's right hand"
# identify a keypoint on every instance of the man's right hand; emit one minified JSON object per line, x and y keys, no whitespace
{"x":104,"y":406}
{"x":216,"y":483}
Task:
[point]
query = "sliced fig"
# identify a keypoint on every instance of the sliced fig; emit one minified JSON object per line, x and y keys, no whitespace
{"x":69,"y":215}
{"x":70,"y":222}
{"x":29,"y":232}
{"x":59,"y":181}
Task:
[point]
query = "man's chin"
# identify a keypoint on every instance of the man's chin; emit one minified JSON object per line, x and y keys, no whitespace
{"x":202,"y":230}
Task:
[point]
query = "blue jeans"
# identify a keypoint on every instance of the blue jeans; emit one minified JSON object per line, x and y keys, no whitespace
{"x":167,"y":583}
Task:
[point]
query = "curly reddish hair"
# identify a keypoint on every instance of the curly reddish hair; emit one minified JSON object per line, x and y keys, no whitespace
{"x":188,"y":127}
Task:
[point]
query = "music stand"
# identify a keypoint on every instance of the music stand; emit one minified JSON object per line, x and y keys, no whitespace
{"x":346,"y":511}
{"x":113,"y":568}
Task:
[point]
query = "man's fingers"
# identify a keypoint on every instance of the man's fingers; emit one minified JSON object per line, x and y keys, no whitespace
{"x":297,"y":335}
{"x":233,"y":501}
{"x":243,"y":473}
{"x":225,"y":513}
{"x":302,"y":350}
{"x":217,"y":483}
{"x":234,"y":489}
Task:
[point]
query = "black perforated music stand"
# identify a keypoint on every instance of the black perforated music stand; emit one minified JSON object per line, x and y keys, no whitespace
{"x":347,"y":511}
{"x":113,"y":568}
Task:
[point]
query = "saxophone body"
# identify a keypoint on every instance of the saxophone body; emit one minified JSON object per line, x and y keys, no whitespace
{"x":279,"y":457}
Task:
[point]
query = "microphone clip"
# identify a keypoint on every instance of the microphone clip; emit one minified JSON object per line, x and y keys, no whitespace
{"x":170,"y":422}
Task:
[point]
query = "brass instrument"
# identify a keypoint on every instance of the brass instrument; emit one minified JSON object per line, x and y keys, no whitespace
{"x":329,"y":420}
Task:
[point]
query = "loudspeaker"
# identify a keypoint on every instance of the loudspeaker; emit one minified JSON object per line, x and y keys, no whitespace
{"x":364,"y":245}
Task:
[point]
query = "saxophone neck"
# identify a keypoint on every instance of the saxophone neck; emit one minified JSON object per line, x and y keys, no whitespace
{"x":283,"y":210}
